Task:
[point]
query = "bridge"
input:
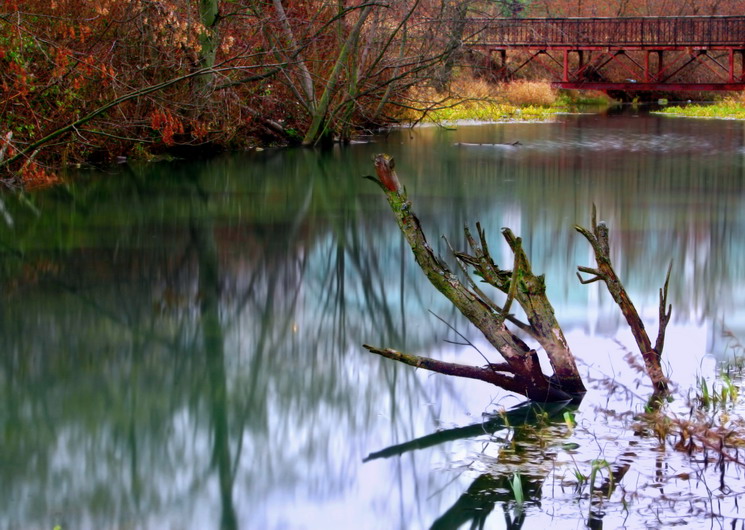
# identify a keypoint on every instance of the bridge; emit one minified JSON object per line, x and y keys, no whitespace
{"x":629,"y":54}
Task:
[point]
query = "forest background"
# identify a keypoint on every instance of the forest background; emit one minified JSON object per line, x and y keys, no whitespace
{"x":96,"y":81}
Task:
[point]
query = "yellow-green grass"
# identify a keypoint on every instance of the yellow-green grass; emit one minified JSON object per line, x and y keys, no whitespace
{"x":482,"y":111}
{"x":476,"y":100}
{"x":729,"y":108}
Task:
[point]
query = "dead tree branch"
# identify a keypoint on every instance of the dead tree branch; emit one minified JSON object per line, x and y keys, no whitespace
{"x":490,"y":374}
{"x":521,"y":362}
{"x":599,"y":240}
{"x":529,"y":291}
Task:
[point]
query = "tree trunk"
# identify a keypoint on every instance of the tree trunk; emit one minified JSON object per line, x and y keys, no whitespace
{"x":319,"y":125}
{"x":306,"y":80}
{"x":209,"y":15}
{"x":459,"y":18}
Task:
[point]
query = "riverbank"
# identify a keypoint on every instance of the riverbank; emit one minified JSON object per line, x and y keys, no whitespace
{"x":477,"y":100}
{"x":466,"y":100}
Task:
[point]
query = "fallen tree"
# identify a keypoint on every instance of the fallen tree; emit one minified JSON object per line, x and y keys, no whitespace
{"x":520,"y":370}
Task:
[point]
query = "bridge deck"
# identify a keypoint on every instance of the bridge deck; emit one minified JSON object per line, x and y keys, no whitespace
{"x":639,"y":32}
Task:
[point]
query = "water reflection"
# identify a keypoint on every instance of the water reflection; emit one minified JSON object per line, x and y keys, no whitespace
{"x":180,"y":344}
{"x":526,"y":433}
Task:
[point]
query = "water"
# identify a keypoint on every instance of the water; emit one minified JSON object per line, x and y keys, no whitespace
{"x":181,"y":343}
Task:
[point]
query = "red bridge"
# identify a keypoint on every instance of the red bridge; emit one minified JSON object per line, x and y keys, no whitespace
{"x":635,"y":53}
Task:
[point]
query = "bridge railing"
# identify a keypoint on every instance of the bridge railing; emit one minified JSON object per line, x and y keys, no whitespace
{"x":645,"y":32}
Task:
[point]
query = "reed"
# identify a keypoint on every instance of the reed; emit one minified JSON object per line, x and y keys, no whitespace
{"x":528,"y":93}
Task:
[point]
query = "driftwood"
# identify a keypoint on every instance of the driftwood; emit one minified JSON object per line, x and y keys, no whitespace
{"x":599,"y":239}
{"x":520,"y":371}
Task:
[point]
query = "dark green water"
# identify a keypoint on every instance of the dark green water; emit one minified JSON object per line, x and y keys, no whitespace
{"x":180,"y":344}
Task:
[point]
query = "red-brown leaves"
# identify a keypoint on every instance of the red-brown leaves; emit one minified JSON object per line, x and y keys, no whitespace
{"x":167,"y":124}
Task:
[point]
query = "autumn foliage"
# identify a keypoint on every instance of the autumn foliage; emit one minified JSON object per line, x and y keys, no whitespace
{"x":61,"y":59}
{"x":248,"y":71}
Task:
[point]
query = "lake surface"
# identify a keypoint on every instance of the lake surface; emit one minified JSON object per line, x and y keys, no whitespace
{"x":180,"y":343}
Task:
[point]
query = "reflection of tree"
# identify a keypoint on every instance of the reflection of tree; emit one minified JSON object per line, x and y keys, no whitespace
{"x":214,"y":353}
{"x":479,"y":500}
{"x":163,"y":334}
{"x":533,"y":427}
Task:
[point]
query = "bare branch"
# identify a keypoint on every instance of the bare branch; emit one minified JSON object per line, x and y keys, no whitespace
{"x":600,"y":241}
{"x":591,"y":280}
{"x":665,"y":312}
{"x":489,"y":374}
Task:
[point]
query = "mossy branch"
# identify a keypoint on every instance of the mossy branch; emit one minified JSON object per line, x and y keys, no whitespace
{"x":522,"y":371}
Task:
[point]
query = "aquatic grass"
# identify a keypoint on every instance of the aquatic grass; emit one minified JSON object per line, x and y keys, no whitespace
{"x":453,"y":110}
{"x":730,"y":391}
{"x":711,"y":426}
{"x":704,"y":436}
{"x":728,"y":108}
{"x":737,"y":363}
{"x":580,"y":477}
{"x":597,"y":466}
{"x":517,"y":489}
{"x":569,"y":420}
{"x":726,"y":393}
{"x":575,"y":99}
{"x":703,"y":396}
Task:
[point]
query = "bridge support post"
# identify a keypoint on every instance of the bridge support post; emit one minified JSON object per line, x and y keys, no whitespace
{"x":497,"y":66}
{"x":660,"y":64}
{"x":503,"y":73}
{"x":565,"y":75}
{"x":731,"y":65}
